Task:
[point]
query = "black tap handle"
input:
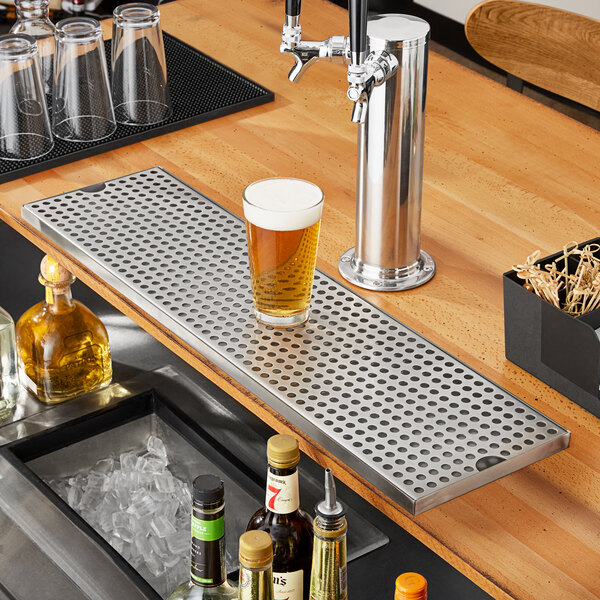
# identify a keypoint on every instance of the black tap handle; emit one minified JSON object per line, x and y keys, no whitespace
{"x":357,"y":14}
{"x":292,"y":8}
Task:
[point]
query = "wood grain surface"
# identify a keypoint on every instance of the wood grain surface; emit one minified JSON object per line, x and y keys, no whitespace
{"x":551,"y":48}
{"x":503,"y":176}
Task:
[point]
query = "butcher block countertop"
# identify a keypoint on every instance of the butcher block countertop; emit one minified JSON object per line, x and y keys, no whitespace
{"x":503,"y":176}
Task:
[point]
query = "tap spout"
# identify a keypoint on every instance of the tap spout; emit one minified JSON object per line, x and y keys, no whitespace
{"x":363,"y":77}
{"x":333,"y":49}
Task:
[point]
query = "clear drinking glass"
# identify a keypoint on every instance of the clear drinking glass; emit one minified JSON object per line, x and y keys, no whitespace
{"x":24,"y":123}
{"x":82,"y":109}
{"x":139,"y":71}
{"x":9,"y":382}
{"x":283,"y":218}
{"x":33,"y":20}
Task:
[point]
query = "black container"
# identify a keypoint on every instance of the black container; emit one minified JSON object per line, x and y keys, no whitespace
{"x":559,"y":349}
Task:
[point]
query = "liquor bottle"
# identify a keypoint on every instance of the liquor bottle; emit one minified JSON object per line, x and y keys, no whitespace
{"x":411,"y":586}
{"x":208,"y":578}
{"x":328,"y":579}
{"x":281,"y":517}
{"x":63,"y":348}
{"x":9,"y":383}
{"x":256,"y":566}
{"x":33,"y":19}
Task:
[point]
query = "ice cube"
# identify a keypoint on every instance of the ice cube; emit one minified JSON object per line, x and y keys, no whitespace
{"x":90,"y":499}
{"x":171,"y":561}
{"x":142,"y":507}
{"x":128,"y":461}
{"x":161,"y":526}
{"x":105,"y":466}
{"x":151,"y":464}
{"x":168,"y":509}
{"x":156,"y":446}
{"x":78,"y":480}
{"x":123,"y":526}
{"x":143,"y":545}
{"x":155,"y":565}
{"x":97,"y":481}
{"x":178,"y":543}
{"x":74,"y":496}
{"x":159,"y":546}
{"x":164,"y":482}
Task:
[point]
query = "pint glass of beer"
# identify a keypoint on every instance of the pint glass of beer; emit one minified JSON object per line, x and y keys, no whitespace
{"x":283,"y":217}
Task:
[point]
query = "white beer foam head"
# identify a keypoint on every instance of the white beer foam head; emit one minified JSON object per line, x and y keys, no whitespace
{"x":283,"y":204}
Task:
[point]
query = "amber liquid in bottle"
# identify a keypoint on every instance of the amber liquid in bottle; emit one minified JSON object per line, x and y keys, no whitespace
{"x":291,"y":530}
{"x":63,"y":348}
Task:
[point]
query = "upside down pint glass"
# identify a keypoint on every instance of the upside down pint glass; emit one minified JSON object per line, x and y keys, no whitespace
{"x":283,"y":217}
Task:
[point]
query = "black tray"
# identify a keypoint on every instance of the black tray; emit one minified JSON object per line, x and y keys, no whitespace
{"x":201,"y":89}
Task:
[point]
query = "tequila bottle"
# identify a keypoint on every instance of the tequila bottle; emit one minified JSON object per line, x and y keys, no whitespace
{"x":208,"y":578}
{"x":256,"y":566}
{"x":9,"y":385}
{"x":63,"y":348}
{"x":33,"y":20}
{"x":281,"y":517}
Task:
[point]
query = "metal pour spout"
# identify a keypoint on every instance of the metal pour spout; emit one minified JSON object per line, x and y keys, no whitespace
{"x":330,"y":507}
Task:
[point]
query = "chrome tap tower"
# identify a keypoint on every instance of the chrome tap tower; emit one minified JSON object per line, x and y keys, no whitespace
{"x":387,"y":80}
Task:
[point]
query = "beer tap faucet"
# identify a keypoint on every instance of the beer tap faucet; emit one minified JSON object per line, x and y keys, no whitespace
{"x":387,"y":65}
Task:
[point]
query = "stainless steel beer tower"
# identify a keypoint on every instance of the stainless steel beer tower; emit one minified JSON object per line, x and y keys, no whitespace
{"x":387,"y":77}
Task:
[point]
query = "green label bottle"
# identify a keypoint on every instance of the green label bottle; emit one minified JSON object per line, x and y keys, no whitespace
{"x":208,"y":577}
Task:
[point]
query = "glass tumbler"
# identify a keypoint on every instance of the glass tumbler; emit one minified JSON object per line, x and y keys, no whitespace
{"x":24,"y":124}
{"x":140,"y":90}
{"x":283,"y":217}
{"x":82,"y":109}
{"x":33,"y":20}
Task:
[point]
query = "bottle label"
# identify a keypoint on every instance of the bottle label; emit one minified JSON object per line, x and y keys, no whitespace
{"x":288,"y":586}
{"x":208,"y":550}
{"x":282,"y":493}
{"x":208,"y":531}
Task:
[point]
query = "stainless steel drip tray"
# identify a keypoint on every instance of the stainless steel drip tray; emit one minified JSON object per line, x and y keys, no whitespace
{"x":403,"y":413}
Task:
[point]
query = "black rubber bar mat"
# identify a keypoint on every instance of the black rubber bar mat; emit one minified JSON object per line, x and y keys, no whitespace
{"x":201,"y":89}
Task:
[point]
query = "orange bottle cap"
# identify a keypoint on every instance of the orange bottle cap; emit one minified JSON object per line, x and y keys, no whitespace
{"x":411,"y":586}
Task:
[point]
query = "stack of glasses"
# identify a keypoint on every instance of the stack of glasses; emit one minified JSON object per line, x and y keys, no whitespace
{"x":62,"y":71}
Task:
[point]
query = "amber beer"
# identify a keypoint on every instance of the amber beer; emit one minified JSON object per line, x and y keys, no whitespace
{"x":282,"y":225}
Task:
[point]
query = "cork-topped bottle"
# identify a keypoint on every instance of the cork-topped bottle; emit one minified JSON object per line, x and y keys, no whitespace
{"x":63,"y":348}
{"x":281,"y":517}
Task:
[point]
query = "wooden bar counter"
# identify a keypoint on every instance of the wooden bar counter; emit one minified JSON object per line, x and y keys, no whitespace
{"x":503,"y":177}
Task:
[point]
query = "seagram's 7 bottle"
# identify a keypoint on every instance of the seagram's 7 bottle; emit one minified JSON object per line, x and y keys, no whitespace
{"x":289,"y":526}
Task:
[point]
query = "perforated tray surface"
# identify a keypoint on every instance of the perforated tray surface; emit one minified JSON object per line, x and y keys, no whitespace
{"x":201,"y":89}
{"x":408,"y":417}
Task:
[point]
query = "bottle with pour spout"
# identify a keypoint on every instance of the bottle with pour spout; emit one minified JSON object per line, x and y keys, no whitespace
{"x":328,"y":579}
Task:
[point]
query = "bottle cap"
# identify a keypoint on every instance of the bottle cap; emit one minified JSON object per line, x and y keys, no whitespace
{"x":411,"y":586}
{"x":256,"y":549}
{"x":208,"y":489}
{"x":54,"y":273}
{"x":283,"y":451}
